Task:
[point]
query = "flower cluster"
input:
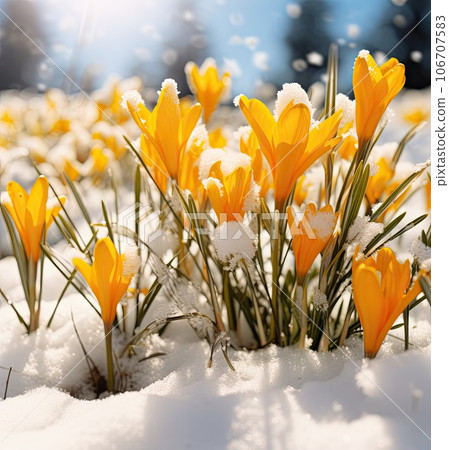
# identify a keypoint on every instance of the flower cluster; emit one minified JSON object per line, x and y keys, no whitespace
{"x":275,"y":229}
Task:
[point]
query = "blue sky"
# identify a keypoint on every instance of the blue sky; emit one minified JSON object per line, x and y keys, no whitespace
{"x":115,"y":36}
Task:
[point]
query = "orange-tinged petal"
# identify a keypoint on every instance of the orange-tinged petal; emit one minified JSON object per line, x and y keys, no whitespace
{"x":374,"y":88}
{"x":188,"y":123}
{"x":262,"y":122}
{"x":168,"y":119}
{"x":310,"y":236}
{"x":84,"y":269}
{"x":206,"y":84}
{"x":292,"y":126}
{"x":105,"y":277}
{"x":35,"y":214}
{"x":284,"y":176}
{"x":19,"y":198}
{"x":404,"y":301}
{"x":217,"y":199}
{"x":321,"y":140}
{"x":368,"y":301}
{"x":37,"y":201}
{"x":104,"y":271}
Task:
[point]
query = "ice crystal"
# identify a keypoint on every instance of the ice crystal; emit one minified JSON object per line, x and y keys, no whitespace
{"x":171,"y":90}
{"x":364,"y":54}
{"x":347,"y":105}
{"x":322,"y":224}
{"x":319,"y":301}
{"x":132,"y":97}
{"x":420,"y":251}
{"x":252,"y":199}
{"x":234,"y":241}
{"x":230,"y":161}
{"x":373,"y":169}
{"x":131,"y":260}
{"x":289,"y":92}
{"x":361,"y":233}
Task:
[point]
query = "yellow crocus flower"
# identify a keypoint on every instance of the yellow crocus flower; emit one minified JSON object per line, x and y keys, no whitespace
{"x":381,"y":293}
{"x":374,"y":88}
{"x":154,"y":162}
{"x":310,"y":236}
{"x":105,"y":277}
{"x":301,"y":190}
{"x":166,"y":128}
{"x":30,"y":214}
{"x":378,"y":182}
{"x":382,"y":184}
{"x":416,"y":116}
{"x":261,"y":174}
{"x":71,"y":169}
{"x":288,"y":144}
{"x":99,"y":159}
{"x":217,"y":139}
{"x":188,"y":177}
{"x":227,"y":192}
{"x":207,"y":85}
{"x":108,"y":277}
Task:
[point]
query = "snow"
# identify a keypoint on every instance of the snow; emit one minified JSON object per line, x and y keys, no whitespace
{"x":208,"y":182}
{"x":236,"y":100}
{"x":315,"y":58}
{"x":251,"y":42}
{"x":421,"y":252}
{"x":251,"y":201}
{"x":260,"y":60}
{"x":275,"y":399}
{"x":230,"y":161}
{"x":132,"y":97}
{"x":361,"y":233}
{"x":299,"y":64}
{"x":131,"y":260}
{"x":343,"y":102}
{"x":373,"y":168}
{"x":171,"y":90}
{"x":234,"y":241}
{"x":364,"y":54}
{"x":353,"y":30}
{"x":319,"y":300}
{"x":322,"y":224}
{"x":278,"y":398}
{"x":289,"y":92}
{"x":293,"y":10}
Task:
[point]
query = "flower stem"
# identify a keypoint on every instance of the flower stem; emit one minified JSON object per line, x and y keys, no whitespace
{"x":304,"y":316}
{"x":110,"y":363}
{"x":276,"y":326}
{"x":34,"y":314}
{"x":232,"y":321}
{"x":326,"y":331}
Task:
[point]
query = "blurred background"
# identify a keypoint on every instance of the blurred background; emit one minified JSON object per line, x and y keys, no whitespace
{"x":258,"y":41}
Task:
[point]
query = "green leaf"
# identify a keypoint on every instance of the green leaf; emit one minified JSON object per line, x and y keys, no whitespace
{"x":108,"y":223}
{"x":395,"y":194}
{"x":18,"y":251}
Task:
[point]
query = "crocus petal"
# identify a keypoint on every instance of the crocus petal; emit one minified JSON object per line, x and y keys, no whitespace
{"x":262,"y":122}
{"x":19,"y":198}
{"x":368,"y":301}
{"x":188,"y":123}
{"x":168,"y":119}
{"x":321,"y":140}
{"x":35,"y":216}
{"x":83,"y":268}
{"x":104,"y":271}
